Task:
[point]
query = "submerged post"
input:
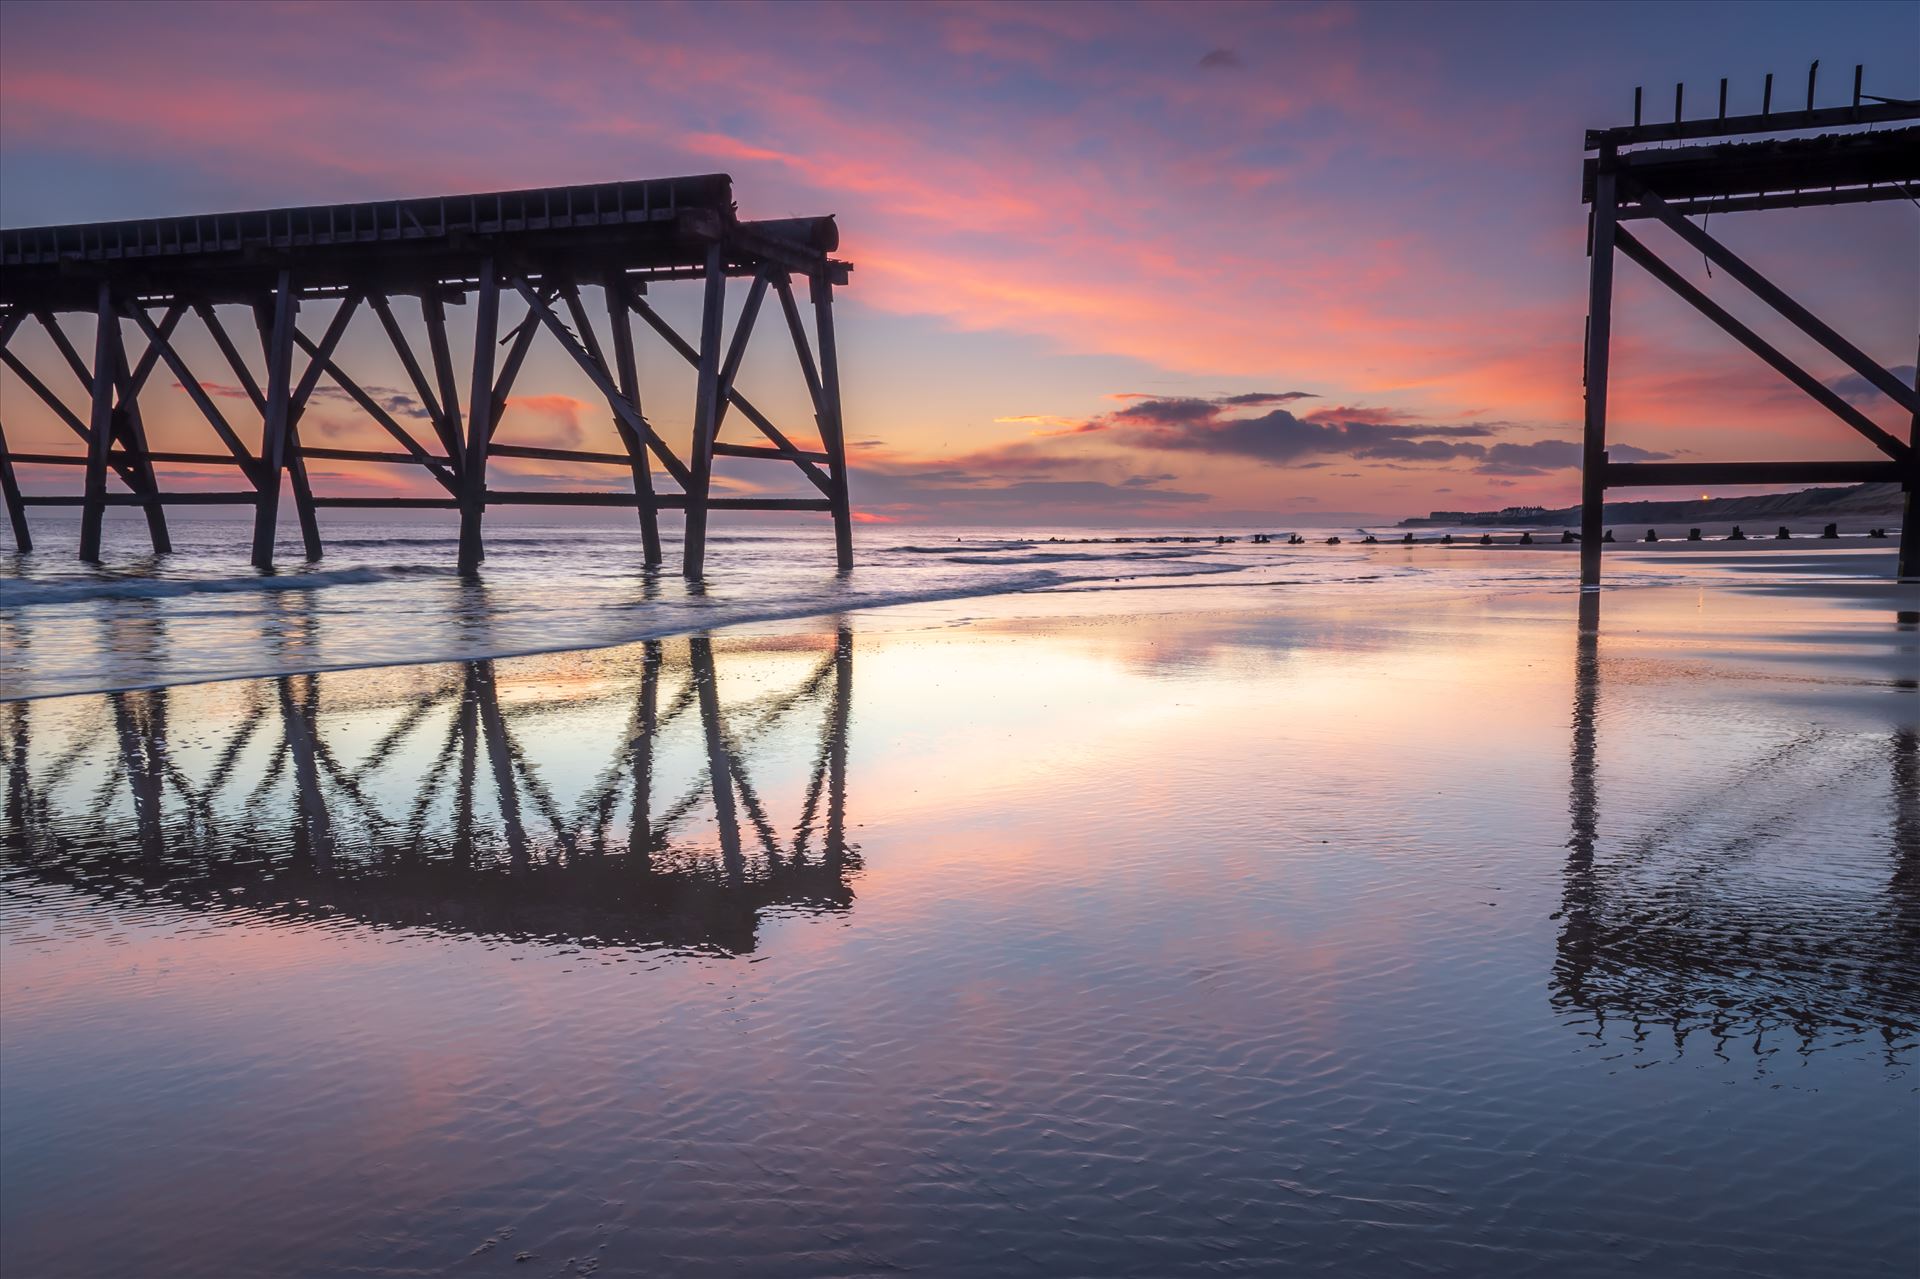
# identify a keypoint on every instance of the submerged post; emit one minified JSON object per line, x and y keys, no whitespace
{"x":1593,"y":458}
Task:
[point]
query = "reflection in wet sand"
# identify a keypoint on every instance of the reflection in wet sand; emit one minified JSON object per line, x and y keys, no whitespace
{"x":1741,"y":932}
{"x":432,"y":811}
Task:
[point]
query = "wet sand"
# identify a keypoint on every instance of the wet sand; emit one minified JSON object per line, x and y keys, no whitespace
{"x":1333,"y":931}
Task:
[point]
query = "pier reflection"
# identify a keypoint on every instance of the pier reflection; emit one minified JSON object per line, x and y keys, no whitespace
{"x":667,"y":794}
{"x":1757,"y":925}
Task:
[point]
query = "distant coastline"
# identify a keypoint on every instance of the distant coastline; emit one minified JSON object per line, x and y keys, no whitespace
{"x":1855,"y":500}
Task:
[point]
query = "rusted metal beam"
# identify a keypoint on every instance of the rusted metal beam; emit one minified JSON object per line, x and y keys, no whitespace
{"x":184,"y":498}
{"x":375,"y":410}
{"x":473,"y":477}
{"x":706,"y":409}
{"x":1599,"y":341}
{"x":1814,"y":387}
{"x":191,"y":385}
{"x":449,"y":437}
{"x":737,"y":349}
{"x":133,"y":432}
{"x":620,"y":323}
{"x":801,"y":349}
{"x":723,"y":449}
{"x":121,"y":455}
{"x":602,"y":381}
{"x":390,"y":503}
{"x":100,"y":426}
{"x":273,"y":430}
{"x":667,"y":501}
{"x":433,"y":312}
{"x":561,"y":455}
{"x":1770,"y":293}
{"x":224,"y":341}
{"x":1739,"y":125}
{"x":10,"y":492}
{"x":296,"y":464}
{"x":739,"y":401}
{"x":832,"y":425}
{"x":64,"y":345}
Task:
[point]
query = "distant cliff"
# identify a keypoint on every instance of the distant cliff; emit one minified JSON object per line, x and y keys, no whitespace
{"x":1859,"y":500}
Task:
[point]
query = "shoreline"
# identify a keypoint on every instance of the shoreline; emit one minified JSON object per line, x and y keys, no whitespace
{"x":1792,"y":575}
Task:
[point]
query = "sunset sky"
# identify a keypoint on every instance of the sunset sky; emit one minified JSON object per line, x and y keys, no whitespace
{"x":1171,"y":264}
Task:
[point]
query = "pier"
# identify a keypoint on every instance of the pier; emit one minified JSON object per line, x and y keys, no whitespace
{"x":146,"y":281}
{"x":1737,"y":164}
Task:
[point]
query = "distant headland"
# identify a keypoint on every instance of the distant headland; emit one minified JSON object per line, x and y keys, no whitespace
{"x":1857,"y":499}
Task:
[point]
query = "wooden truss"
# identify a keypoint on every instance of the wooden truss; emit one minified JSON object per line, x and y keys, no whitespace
{"x":543,"y":246}
{"x":1668,"y":185}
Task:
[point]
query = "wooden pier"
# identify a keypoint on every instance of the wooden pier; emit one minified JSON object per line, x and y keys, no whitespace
{"x":1743,"y":165}
{"x":541,"y":247}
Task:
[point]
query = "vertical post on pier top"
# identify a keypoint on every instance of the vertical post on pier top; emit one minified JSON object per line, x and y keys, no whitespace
{"x":93,"y":504}
{"x":832,"y":427}
{"x":1593,"y":457}
{"x":273,"y":430}
{"x":706,"y":413}
{"x":473,"y":476}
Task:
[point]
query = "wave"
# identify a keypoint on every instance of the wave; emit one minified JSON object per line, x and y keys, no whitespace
{"x":958,"y":544}
{"x":1069,"y":557}
{"x":701,"y":621}
{"x":18,"y":593}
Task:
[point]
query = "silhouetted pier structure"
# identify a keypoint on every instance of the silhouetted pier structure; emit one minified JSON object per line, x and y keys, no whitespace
{"x":1740,"y":166}
{"x":539,"y":246}
{"x":451,"y":818}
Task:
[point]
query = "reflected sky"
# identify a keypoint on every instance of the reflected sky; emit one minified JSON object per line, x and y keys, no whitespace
{"x":1333,"y":933}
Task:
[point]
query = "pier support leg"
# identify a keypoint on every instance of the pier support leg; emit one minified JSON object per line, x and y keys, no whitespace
{"x":473,"y":476}
{"x":10,"y":492}
{"x":93,"y":508}
{"x":627,"y":370}
{"x":131,"y":431}
{"x":832,"y":426}
{"x":1909,"y":565}
{"x":273,"y":431}
{"x":303,"y":497}
{"x":706,"y":411}
{"x":1593,"y":460}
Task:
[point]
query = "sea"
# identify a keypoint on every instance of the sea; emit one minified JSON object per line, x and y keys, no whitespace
{"x":1019,"y":903}
{"x":388,"y":593}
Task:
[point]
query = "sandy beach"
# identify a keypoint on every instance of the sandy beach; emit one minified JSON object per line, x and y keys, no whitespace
{"x":1334,"y":929}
